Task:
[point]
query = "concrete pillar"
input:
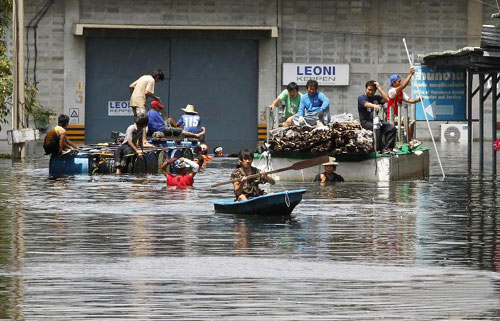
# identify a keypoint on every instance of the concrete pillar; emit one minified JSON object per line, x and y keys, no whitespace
{"x":374,"y":27}
{"x":18,"y":150}
{"x":474,"y":22}
{"x":74,"y":66}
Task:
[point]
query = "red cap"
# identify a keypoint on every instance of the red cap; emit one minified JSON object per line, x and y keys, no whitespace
{"x":156,"y":104}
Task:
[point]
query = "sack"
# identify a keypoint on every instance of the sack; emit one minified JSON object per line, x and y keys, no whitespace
{"x":51,"y":143}
{"x":342,"y":117}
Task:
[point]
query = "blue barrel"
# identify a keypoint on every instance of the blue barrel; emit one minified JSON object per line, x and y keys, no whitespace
{"x":79,"y":164}
{"x":151,"y":162}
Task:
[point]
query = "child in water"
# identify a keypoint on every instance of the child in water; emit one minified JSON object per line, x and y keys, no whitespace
{"x":246,"y":188}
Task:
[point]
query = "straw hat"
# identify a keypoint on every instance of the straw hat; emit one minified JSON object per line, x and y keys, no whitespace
{"x":189,"y":109}
{"x":331,"y":161}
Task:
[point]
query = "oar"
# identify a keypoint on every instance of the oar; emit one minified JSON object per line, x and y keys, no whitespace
{"x":297,"y":166}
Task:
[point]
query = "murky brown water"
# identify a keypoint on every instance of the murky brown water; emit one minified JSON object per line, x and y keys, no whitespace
{"x":108,"y":247}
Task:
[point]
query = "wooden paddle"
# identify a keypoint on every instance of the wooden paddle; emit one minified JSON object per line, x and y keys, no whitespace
{"x":297,"y":166}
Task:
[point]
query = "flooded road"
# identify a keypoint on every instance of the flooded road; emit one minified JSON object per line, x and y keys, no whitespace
{"x":108,"y":247}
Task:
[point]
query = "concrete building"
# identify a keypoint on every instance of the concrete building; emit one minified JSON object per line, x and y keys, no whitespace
{"x":226,"y":56}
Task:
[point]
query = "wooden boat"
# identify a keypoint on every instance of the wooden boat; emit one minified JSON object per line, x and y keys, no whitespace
{"x":275,"y":204}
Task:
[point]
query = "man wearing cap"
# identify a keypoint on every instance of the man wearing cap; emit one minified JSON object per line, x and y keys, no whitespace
{"x":143,"y":88}
{"x":156,"y":122}
{"x":190,"y":122}
{"x":329,"y":175}
{"x":397,"y":96}
{"x":186,"y":168}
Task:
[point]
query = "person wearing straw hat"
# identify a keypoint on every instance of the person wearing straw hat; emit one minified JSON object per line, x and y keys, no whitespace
{"x":329,"y":175}
{"x":190,"y":122}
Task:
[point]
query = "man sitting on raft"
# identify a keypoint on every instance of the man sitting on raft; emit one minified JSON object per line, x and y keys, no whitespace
{"x":56,"y":142}
{"x":247,"y":188}
{"x":135,"y":137}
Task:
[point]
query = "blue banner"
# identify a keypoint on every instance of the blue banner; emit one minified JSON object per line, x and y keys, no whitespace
{"x":443,"y":92}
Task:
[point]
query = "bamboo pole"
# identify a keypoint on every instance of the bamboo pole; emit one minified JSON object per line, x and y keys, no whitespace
{"x":425,"y":114}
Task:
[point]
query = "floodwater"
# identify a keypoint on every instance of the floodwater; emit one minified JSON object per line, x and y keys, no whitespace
{"x":123,"y":248}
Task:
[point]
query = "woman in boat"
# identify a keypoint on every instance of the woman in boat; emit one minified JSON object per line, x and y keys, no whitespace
{"x":246,"y":188}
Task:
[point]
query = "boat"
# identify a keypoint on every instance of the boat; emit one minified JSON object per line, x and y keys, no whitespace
{"x":275,"y":204}
{"x":404,"y":165}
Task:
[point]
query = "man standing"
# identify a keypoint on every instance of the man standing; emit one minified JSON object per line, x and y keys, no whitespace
{"x":314,"y":108}
{"x":143,"y":88}
{"x":291,"y":96}
{"x":397,"y":96}
{"x":369,"y":102}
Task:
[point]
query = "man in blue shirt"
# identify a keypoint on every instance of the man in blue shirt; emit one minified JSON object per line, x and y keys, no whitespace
{"x":156,"y":122}
{"x":314,"y":108}
{"x":190,"y":122}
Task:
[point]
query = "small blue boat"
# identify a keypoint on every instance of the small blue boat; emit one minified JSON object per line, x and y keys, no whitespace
{"x":275,"y":204}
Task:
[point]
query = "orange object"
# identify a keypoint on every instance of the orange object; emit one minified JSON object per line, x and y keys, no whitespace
{"x":207,"y":158}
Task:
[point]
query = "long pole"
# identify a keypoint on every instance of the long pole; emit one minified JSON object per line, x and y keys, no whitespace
{"x":425,"y":114}
{"x":494,"y":121}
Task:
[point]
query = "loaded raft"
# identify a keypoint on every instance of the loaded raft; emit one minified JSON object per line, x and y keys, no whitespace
{"x":99,"y":158}
{"x":350,"y":144}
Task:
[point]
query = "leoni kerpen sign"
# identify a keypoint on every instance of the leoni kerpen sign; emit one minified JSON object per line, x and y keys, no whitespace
{"x":324,"y":74}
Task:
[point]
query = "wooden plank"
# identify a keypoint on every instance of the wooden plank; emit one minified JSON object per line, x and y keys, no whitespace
{"x":75,"y":132}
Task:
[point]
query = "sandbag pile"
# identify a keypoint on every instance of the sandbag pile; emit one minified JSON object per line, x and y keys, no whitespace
{"x":339,"y":138}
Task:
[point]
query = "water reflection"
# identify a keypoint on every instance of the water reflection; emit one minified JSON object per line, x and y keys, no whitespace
{"x":129,"y":248}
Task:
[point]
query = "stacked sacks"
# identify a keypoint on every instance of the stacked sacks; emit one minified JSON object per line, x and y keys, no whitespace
{"x":339,"y":138}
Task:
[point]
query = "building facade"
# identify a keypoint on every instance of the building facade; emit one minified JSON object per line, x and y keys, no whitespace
{"x":226,"y":56}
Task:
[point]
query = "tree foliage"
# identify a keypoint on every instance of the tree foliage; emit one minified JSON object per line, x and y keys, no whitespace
{"x":5,"y":65}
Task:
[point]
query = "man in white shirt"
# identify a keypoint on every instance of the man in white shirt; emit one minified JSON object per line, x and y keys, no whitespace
{"x":143,"y":88}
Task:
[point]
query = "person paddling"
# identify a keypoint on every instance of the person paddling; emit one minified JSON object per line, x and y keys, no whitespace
{"x":246,"y":188}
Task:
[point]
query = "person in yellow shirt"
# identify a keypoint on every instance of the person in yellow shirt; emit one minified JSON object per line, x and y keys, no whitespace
{"x":143,"y":88}
{"x":56,"y":142}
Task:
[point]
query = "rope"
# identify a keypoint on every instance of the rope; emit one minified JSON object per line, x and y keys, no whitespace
{"x":287,"y":199}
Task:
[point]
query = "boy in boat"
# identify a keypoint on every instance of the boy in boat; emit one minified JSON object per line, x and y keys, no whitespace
{"x":186,"y":170}
{"x":329,"y":175}
{"x":190,"y":122}
{"x":56,"y":142}
{"x":291,"y":96}
{"x":246,"y":188}
{"x":135,"y":137}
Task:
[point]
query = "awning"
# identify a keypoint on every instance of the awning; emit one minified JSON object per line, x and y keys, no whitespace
{"x":79,"y":29}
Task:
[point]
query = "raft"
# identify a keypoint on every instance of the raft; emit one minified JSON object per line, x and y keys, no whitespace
{"x":275,"y":204}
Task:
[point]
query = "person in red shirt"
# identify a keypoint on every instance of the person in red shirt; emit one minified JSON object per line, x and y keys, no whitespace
{"x":397,"y":96}
{"x":187,"y":170}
